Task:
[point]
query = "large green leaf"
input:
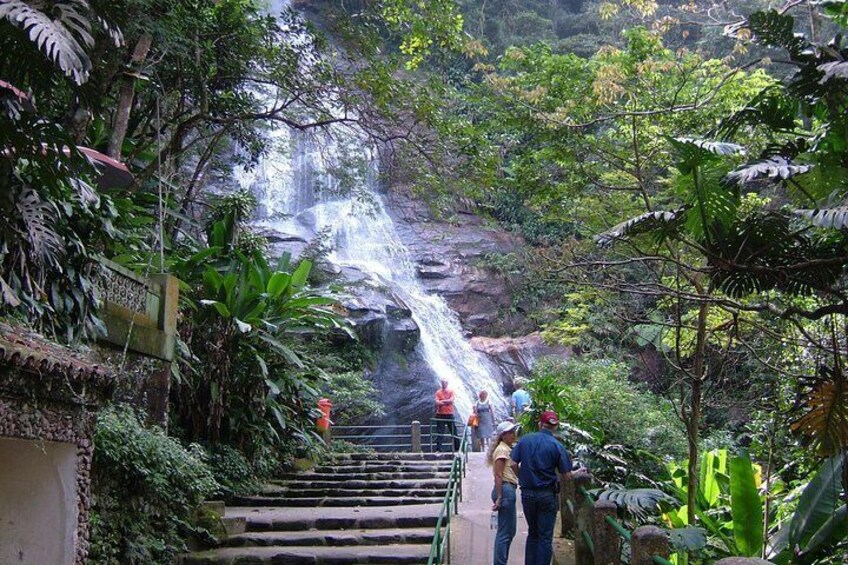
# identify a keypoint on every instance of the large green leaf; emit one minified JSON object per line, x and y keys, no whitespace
{"x":219,"y":306}
{"x":212,"y":280}
{"x":774,"y":29}
{"x":301,"y":274}
{"x":817,"y":505}
{"x":283,"y":350}
{"x":713,"y":465}
{"x":746,"y":507}
{"x":278,"y":283}
{"x":688,"y":538}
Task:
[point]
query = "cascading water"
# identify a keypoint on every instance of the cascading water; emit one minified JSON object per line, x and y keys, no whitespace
{"x":298,"y":196}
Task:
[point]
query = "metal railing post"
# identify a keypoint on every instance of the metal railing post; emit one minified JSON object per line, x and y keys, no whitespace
{"x":416,"y":436}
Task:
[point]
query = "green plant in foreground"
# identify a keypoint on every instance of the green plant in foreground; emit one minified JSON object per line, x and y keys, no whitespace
{"x":820,"y":521}
{"x":729,"y":505}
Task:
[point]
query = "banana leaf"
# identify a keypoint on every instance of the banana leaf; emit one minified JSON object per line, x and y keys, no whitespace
{"x":746,"y":507}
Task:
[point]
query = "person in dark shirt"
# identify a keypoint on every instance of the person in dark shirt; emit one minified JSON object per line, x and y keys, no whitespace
{"x":540,"y":460}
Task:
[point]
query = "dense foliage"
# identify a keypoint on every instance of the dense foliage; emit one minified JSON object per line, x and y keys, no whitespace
{"x":681,"y":188}
{"x":146,"y":489}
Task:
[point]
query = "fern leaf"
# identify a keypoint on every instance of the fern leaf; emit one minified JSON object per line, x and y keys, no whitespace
{"x":774,"y":168}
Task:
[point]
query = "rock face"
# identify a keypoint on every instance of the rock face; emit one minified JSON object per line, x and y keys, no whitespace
{"x":449,"y":259}
{"x":516,"y":356}
{"x":381,"y":319}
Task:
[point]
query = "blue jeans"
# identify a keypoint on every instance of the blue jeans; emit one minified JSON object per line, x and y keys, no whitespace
{"x":540,"y":511}
{"x":506,"y":523}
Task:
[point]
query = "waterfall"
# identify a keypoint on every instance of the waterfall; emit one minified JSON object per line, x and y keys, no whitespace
{"x":298,"y":196}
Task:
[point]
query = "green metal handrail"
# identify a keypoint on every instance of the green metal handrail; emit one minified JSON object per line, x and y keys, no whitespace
{"x":461,"y":431}
{"x":440,"y":547}
{"x":618,"y":527}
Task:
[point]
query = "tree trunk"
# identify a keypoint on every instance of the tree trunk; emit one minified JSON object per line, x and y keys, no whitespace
{"x":125,"y":99}
{"x":693,"y":424}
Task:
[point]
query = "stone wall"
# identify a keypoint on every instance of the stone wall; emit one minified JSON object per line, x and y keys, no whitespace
{"x":49,"y":396}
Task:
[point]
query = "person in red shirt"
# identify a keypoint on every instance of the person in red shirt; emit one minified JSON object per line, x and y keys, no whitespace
{"x":445,"y":415}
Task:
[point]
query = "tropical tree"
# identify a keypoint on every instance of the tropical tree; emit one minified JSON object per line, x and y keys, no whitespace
{"x":240,"y":376}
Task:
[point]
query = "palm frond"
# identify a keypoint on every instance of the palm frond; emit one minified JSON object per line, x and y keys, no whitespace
{"x":774,"y":168}
{"x":763,"y":252}
{"x":714,"y":147}
{"x":771,"y":107}
{"x":771,"y":29}
{"x":37,"y":218}
{"x":833,"y":69}
{"x":693,"y":153}
{"x":836,"y":218}
{"x":645,"y":223}
{"x":824,"y":423}
{"x":63,"y":40}
{"x":639,"y":502}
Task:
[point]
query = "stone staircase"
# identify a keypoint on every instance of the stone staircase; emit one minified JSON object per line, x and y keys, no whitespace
{"x":356,"y":508}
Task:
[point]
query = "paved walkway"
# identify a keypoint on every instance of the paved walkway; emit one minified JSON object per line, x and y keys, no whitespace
{"x":472,"y":541}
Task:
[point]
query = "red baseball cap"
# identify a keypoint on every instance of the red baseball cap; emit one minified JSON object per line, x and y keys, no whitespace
{"x":549,"y":417}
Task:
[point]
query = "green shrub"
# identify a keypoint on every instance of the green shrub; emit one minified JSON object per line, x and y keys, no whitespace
{"x":145,"y":486}
{"x":354,"y":398}
{"x":232,"y":471}
{"x":597,"y":397}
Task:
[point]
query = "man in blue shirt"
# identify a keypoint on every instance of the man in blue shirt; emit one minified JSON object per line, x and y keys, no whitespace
{"x":539,"y":459}
{"x":520,"y":398}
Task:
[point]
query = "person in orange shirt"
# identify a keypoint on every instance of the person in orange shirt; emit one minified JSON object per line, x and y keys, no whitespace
{"x":445,"y":415}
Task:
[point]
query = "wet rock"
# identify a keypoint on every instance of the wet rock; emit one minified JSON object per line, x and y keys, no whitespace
{"x":381,"y":319}
{"x":403,"y":335}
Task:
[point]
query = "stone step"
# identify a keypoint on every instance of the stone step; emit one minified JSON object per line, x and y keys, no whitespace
{"x":284,"y":487}
{"x":357,"y":467}
{"x":333,"y":538}
{"x":331,"y":502}
{"x":389,"y":554}
{"x":392,"y":456}
{"x":335,"y":492}
{"x":353,"y":476}
{"x":275,"y":518}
